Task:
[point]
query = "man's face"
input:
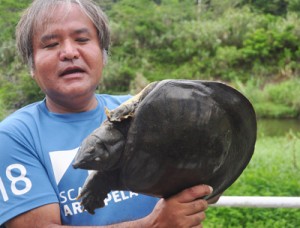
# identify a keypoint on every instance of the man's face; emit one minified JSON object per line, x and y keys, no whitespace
{"x":67,"y":58}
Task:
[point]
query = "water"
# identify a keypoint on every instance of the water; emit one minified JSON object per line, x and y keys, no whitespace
{"x":277,"y":127}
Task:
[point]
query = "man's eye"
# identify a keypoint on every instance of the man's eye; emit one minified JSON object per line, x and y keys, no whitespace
{"x":82,"y":40}
{"x":51,"y":45}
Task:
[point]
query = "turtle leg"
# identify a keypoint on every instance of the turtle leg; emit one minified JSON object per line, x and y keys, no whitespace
{"x":95,"y":190}
{"x":127,"y":109}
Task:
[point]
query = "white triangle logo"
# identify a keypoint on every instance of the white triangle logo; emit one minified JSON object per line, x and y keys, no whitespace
{"x":61,"y":161}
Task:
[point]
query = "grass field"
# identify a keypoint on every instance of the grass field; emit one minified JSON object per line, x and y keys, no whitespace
{"x":273,"y":171}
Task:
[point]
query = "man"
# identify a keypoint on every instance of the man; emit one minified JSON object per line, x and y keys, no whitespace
{"x":65,"y":44}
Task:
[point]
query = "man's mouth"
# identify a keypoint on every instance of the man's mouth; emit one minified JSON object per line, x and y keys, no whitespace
{"x":71,"y":70}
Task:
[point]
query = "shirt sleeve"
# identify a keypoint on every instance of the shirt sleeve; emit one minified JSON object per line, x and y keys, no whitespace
{"x":24,"y":182}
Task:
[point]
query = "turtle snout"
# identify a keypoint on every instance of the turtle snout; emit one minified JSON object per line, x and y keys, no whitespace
{"x":76,"y":165}
{"x":82,"y":158}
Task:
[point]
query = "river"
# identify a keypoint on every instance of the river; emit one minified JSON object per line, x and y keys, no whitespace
{"x":277,"y":127}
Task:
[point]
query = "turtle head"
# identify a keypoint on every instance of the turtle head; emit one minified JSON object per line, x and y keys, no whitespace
{"x":101,"y":150}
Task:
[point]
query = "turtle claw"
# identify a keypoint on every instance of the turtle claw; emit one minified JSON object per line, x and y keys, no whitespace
{"x":78,"y":197}
{"x":94,"y":192}
{"x":91,"y":201}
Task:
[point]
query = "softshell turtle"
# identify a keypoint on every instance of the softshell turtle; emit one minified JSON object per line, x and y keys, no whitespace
{"x":173,"y":135}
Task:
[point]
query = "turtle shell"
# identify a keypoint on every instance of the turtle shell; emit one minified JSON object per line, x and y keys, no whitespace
{"x":188,"y":132}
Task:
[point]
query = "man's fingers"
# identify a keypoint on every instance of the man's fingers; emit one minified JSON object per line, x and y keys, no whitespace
{"x":193,"y":193}
{"x":196,"y":206}
{"x":197,"y":219}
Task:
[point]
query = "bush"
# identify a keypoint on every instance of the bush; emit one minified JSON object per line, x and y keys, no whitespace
{"x":271,"y":47}
{"x":276,"y":100}
{"x":21,"y":92}
{"x":116,"y":78}
{"x":271,"y":110}
{"x":286,"y":92}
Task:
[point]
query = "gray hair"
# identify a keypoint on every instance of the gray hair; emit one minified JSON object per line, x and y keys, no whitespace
{"x":38,"y":13}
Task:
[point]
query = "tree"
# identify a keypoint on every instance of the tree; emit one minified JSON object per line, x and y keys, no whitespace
{"x":275,"y":7}
{"x":294,"y":6}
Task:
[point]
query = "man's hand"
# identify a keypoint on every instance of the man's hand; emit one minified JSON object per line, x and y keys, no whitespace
{"x":185,"y":209}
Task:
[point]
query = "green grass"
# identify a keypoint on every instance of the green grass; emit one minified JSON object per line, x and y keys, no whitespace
{"x":273,"y":171}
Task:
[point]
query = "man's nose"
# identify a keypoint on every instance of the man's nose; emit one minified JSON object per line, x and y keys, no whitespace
{"x":69,"y":51}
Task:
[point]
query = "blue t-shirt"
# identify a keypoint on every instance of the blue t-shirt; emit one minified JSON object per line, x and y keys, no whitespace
{"x":37,"y":149}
